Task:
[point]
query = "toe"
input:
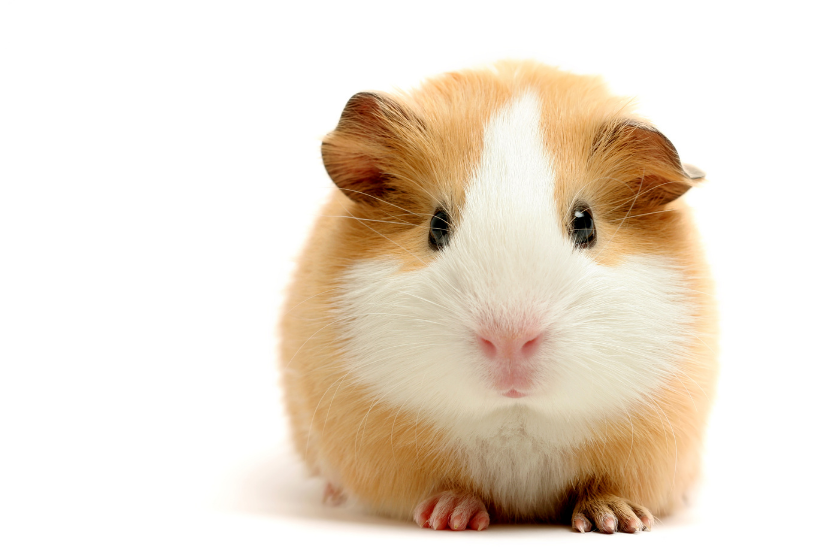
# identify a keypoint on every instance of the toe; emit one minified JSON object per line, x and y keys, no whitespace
{"x":581,"y":524}
{"x":627,"y":520}
{"x":468,"y":509}
{"x":480,"y":521}
{"x":333,"y":495}
{"x":607,"y":524}
{"x":443,"y":509}
{"x":644,"y":515}
{"x":423,"y":512}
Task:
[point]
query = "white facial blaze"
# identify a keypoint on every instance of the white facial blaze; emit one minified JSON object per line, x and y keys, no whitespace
{"x":510,"y":200}
{"x":612,"y":334}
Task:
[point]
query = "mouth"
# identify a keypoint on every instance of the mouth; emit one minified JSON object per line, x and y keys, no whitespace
{"x":513,"y":382}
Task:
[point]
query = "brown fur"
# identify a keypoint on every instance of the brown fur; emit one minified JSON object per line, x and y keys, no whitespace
{"x":397,"y":158}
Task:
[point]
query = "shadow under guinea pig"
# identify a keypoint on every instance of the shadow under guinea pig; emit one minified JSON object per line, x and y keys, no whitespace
{"x":274,"y":483}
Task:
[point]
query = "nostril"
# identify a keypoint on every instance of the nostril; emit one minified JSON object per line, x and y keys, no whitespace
{"x":487,"y":347}
{"x":531,"y":346}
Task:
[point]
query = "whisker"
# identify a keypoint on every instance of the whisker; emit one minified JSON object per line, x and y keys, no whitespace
{"x":619,"y":225}
{"x":304,"y":301}
{"x":424,"y":299}
{"x":363,"y":425}
{"x":649,"y":213}
{"x":315,"y":413}
{"x":688,"y":393}
{"x":369,"y":220}
{"x":629,"y":453}
{"x":381,"y":200}
{"x":690,"y":378}
{"x":412,"y":317}
{"x":673,"y":433}
{"x":574,"y":199}
{"x":641,"y":192}
{"x":394,"y":426}
{"x":329,"y":408}
{"x":310,"y":338}
{"x":388,"y":238}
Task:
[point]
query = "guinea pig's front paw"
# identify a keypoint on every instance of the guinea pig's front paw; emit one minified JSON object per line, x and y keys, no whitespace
{"x":610,"y":513}
{"x":455,"y":510}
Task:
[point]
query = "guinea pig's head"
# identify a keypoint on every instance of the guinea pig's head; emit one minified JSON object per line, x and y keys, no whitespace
{"x":512,"y":246}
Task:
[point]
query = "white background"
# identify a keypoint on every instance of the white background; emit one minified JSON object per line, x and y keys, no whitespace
{"x":159,"y":168}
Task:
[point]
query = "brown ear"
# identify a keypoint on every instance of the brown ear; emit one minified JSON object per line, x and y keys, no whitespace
{"x":358,"y":152}
{"x":648,"y":161}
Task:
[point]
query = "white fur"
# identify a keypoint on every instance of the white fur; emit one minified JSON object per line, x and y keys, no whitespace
{"x":612,"y":334}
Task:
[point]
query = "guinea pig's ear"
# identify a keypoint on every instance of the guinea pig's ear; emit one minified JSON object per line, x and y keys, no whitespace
{"x":693,"y":172}
{"x":365,"y":145}
{"x":648,"y":161}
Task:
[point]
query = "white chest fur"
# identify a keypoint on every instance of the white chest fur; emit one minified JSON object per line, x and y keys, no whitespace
{"x":520,"y":471}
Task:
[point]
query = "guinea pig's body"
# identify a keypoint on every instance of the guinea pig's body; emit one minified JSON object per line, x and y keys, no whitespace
{"x":503,"y":313}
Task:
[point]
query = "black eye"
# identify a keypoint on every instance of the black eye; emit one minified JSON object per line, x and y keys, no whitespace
{"x":582,"y":229}
{"x":439,"y":230}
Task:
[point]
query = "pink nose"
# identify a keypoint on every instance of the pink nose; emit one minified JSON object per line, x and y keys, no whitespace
{"x":513,"y":346}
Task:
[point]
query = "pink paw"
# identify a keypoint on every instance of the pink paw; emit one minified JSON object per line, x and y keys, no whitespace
{"x":334,"y":495}
{"x":453,"y":510}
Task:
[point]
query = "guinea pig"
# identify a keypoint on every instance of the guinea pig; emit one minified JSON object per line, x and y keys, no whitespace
{"x":504,"y":313}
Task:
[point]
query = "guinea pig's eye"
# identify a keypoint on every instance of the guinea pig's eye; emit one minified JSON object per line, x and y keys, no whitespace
{"x":582,"y":228}
{"x":439,"y":230}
